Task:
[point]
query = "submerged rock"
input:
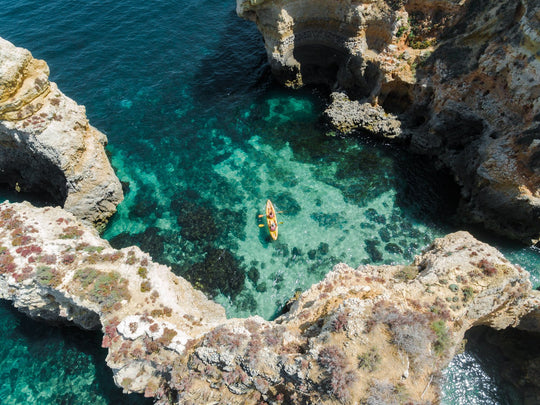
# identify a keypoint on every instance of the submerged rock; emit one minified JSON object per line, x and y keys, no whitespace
{"x":349,"y":338}
{"x":374,"y":253}
{"x":288,"y":204}
{"x":150,"y":241}
{"x":47,"y":144}
{"x":393,"y":248}
{"x":197,"y":222}
{"x":219,"y":272}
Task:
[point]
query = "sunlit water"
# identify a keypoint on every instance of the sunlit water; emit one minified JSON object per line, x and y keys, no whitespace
{"x":201,"y":136}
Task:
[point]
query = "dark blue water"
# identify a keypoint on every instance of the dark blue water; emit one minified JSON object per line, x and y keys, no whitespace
{"x":202,"y":136}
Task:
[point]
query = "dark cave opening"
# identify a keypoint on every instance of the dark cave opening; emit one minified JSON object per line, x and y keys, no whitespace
{"x":30,"y":177}
{"x":511,"y":357}
{"x":319,"y":63}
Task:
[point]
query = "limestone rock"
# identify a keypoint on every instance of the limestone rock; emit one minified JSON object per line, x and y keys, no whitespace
{"x":460,"y":76}
{"x":350,"y":115}
{"x":358,"y":335}
{"x":55,"y":268}
{"x":47,"y":144}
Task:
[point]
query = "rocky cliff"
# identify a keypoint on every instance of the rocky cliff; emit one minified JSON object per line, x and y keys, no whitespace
{"x":47,"y":144}
{"x":375,"y":334}
{"x":456,"y":80}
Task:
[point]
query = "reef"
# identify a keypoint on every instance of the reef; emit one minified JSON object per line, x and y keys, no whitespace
{"x":47,"y":145}
{"x":370,"y":335}
{"x":454,"y":80}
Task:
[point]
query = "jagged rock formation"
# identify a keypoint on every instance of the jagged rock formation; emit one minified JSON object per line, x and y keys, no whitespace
{"x":55,"y":268}
{"x":370,"y":334}
{"x":47,"y":144}
{"x":461,"y":76}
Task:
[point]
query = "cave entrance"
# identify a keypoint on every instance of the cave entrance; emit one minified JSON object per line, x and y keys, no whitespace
{"x":508,"y":358}
{"x":319,"y":63}
{"x":31,"y":178}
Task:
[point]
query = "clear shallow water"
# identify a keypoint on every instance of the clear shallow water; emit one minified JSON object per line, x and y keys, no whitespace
{"x":201,"y":136}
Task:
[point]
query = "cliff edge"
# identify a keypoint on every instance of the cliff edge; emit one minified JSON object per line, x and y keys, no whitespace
{"x":369,"y":334}
{"x":46,"y":143}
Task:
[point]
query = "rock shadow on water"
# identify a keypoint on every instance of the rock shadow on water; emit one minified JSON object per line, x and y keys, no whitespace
{"x":424,"y":192}
{"x":61,"y":340}
{"x":510,"y":357}
{"x":39,"y":180}
{"x":230,"y":71}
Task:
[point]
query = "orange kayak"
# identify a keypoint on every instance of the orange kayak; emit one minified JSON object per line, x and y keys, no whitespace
{"x":271,"y":219}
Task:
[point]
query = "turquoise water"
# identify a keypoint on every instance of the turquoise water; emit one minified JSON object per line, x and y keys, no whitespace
{"x":201,"y":136}
{"x":44,"y":365}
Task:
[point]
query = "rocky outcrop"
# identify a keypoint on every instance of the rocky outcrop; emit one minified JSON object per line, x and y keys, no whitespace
{"x":367,"y":334}
{"x":54,"y":267}
{"x":461,"y":77}
{"x":348,"y":115}
{"x":46,"y":143}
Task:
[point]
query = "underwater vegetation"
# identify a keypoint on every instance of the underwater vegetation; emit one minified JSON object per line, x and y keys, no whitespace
{"x":288,"y":204}
{"x":201,"y":222}
{"x":196,"y":222}
{"x":219,"y":272}
{"x":150,"y":241}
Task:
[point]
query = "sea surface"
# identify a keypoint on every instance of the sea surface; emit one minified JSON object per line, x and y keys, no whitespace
{"x":201,"y":136}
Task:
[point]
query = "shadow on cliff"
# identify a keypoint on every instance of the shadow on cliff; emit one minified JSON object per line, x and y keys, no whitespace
{"x":35,"y":180}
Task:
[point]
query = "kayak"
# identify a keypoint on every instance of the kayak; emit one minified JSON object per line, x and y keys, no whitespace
{"x":271,"y":219}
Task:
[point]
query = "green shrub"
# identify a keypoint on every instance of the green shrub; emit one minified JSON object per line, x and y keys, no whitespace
{"x":71,"y":232}
{"x":92,"y":249}
{"x":468,"y":293}
{"x":406,"y":273}
{"x":48,"y":276}
{"x":146,"y":286}
{"x":143,"y":272}
{"x":370,"y":360}
{"x":401,"y":30}
{"x":106,"y":289}
{"x":442,"y":338}
{"x":85,"y":276}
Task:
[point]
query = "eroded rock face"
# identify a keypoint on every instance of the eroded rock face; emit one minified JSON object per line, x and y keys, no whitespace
{"x":55,"y":268}
{"x":368,"y":334}
{"x":461,"y":76}
{"x":47,"y":144}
